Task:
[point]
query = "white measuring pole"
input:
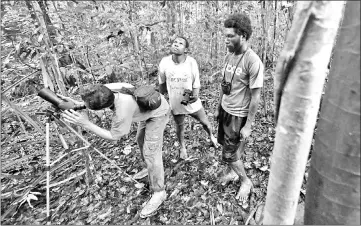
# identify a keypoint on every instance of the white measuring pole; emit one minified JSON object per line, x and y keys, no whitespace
{"x":47,"y":149}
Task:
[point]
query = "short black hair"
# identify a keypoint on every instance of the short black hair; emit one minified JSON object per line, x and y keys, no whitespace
{"x":182,"y":37}
{"x":241,"y":23}
{"x":97,"y":96}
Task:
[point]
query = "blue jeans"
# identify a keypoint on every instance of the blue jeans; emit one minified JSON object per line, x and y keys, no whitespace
{"x":150,"y":141}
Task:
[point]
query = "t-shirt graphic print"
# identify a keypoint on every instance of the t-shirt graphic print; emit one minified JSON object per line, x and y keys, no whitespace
{"x":247,"y":72}
{"x":180,"y":77}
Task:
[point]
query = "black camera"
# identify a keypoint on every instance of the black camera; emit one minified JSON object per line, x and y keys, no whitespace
{"x":186,"y":96}
{"x":51,"y":97}
{"x":226,"y":87}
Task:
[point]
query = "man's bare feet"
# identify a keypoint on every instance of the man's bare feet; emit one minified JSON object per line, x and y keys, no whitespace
{"x":214,"y":141}
{"x":245,"y":190}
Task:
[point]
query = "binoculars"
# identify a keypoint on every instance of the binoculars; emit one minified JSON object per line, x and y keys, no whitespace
{"x":186,"y":96}
{"x":51,"y":97}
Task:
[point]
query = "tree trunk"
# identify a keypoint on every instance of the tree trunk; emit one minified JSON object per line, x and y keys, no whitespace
{"x":264,"y":52}
{"x":300,"y":76}
{"x":274,"y":31}
{"x":50,"y":67}
{"x":45,"y":13}
{"x":180,"y":24}
{"x":333,"y":189}
{"x":216,"y":52}
{"x":31,"y":10}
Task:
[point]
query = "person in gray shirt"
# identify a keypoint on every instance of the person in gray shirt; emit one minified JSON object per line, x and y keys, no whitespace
{"x":239,"y":97}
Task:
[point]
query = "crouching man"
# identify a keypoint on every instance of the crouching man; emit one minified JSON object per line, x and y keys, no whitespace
{"x":126,"y":110}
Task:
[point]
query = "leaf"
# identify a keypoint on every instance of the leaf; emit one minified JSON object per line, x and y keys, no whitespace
{"x":204,"y":183}
{"x":40,"y":37}
{"x":264,"y":168}
{"x":108,"y":70}
{"x":139,"y":185}
{"x":257,"y":164}
{"x":31,"y":197}
{"x":127,"y":150}
{"x":123,"y":189}
{"x":175,"y":192}
{"x":248,"y":165}
{"x":220,"y":208}
{"x":127,"y":179}
{"x":104,"y":215}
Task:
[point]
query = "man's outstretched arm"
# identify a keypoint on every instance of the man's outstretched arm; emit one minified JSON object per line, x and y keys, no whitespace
{"x":77,"y":118}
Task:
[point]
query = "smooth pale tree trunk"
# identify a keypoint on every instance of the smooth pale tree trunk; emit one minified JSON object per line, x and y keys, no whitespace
{"x":264,"y":18}
{"x":274,"y":30}
{"x":333,"y":188}
{"x":299,"y":80}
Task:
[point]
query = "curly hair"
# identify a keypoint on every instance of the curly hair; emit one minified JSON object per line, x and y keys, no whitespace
{"x":241,"y":23}
{"x":97,"y":96}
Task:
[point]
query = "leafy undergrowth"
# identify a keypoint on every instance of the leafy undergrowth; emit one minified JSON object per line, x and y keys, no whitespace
{"x":108,"y":196}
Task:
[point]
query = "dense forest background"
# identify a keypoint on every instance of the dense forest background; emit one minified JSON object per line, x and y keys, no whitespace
{"x":116,"y":40}
{"x":112,"y":41}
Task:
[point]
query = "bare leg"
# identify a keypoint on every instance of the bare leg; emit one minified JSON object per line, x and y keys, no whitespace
{"x":202,"y":118}
{"x":179,"y":120}
{"x":246,"y":183}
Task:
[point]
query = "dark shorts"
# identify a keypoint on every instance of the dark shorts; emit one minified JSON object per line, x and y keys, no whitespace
{"x":229,"y":128}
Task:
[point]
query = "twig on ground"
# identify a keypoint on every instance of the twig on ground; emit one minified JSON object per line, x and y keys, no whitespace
{"x":68,"y":179}
{"x":253,"y":211}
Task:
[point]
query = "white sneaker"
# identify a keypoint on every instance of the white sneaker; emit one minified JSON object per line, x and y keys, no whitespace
{"x":141,"y":174}
{"x":153,"y":204}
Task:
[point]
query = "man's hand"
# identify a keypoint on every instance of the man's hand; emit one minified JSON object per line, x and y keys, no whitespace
{"x":216,"y":115}
{"x":192,"y":99}
{"x":245,"y":132}
{"x":74,"y":117}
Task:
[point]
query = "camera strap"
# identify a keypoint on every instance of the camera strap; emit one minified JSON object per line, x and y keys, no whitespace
{"x":224,"y":73}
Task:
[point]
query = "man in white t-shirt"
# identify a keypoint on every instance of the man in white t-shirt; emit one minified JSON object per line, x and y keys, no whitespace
{"x":179,"y":72}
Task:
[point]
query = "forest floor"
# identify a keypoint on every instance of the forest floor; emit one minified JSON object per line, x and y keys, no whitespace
{"x":194,"y":193}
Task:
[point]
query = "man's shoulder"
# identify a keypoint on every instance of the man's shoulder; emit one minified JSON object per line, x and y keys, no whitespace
{"x":253,"y":57}
{"x":191,"y":59}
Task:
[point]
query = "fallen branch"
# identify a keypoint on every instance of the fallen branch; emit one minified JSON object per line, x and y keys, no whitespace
{"x":211,"y":215}
{"x":68,"y":179}
{"x":253,"y":211}
{"x":112,"y":162}
{"x":61,"y":157}
{"x":22,"y":114}
{"x":28,"y":188}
